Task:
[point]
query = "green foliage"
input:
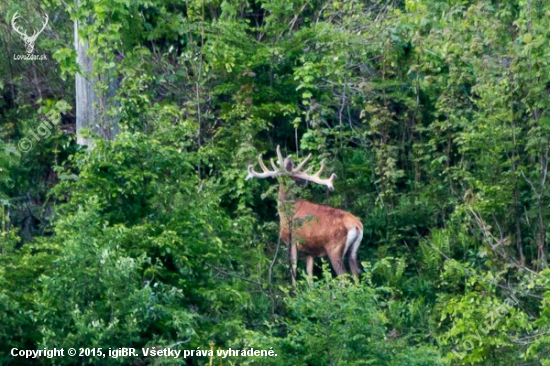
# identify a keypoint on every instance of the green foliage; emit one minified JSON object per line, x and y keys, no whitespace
{"x":103,"y":293}
{"x":335,"y":322}
{"x":433,"y":115}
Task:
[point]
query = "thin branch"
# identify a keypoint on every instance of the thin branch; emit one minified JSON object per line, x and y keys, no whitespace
{"x":270,"y":271}
{"x":233,"y":275}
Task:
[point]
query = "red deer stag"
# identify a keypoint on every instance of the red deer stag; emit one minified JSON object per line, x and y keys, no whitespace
{"x":322,"y":230}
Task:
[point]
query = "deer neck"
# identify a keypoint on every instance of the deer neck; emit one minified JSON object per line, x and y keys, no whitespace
{"x":283,"y":193}
{"x":285,"y":204}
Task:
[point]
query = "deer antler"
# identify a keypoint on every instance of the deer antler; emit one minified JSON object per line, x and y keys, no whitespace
{"x":13,"y":19}
{"x":277,"y":171}
{"x":266,"y":172}
{"x":316,"y":178}
{"x":286,"y":166}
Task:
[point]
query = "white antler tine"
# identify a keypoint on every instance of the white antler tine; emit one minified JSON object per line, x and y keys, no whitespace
{"x":250,"y":172}
{"x":301,"y":165}
{"x":261,"y":162}
{"x":273,"y":164}
{"x":321,"y":168}
{"x":280,"y":159}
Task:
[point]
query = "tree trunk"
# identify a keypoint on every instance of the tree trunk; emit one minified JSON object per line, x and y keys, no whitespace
{"x":91,"y":107}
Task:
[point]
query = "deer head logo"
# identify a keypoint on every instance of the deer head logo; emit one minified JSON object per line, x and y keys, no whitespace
{"x":29,"y":40}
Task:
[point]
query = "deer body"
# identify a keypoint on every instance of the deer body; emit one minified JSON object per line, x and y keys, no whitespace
{"x":313,"y":229}
{"x":321,"y":230}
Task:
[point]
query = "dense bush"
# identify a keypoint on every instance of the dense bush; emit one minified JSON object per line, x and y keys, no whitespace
{"x":433,"y":115}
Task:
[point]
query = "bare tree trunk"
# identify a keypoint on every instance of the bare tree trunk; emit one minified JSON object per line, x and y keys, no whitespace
{"x":91,"y":108}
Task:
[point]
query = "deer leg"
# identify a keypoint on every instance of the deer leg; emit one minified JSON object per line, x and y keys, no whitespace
{"x":293,"y":263}
{"x":309,"y":267}
{"x":337,"y":262}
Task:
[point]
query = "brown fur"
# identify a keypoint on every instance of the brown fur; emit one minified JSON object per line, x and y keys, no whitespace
{"x":318,"y":230}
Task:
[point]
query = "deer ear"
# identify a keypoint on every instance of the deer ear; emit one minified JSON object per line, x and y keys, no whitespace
{"x":289,"y":165}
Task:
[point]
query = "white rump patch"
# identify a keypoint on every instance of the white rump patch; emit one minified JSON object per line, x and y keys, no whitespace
{"x":356,"y":245}
{"x":352,"y":235}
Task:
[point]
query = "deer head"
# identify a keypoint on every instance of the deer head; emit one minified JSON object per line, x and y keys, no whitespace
{"x":29,"y":40}
{"x":286,"y":168}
